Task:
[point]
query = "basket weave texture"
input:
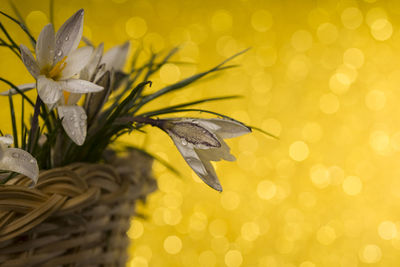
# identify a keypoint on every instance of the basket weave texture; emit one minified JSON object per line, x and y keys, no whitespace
{"x":77,"y":215}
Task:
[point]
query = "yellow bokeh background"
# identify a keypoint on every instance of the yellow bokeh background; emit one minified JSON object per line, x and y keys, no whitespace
{"x":322,"y":75}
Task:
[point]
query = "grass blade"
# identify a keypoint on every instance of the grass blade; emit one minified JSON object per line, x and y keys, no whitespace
{"x":22,"y":122}
{"x":160,"y":111}
{"x":13,"y":121}
{"x":51,"y":11}
{"x":18,"y":90}
{"x":22,"y":22}
{"x":187,"y":81}
{"x":16,"y":52}
{"x":21,"y":25}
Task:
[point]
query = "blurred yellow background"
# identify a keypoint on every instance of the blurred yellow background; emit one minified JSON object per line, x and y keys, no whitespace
{"x":322,"y":75}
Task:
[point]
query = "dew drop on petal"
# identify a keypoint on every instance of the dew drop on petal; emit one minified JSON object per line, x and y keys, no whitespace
{"x":184,"y":142}
{"x":82,"y":123}
{"x":15,"y":155}
{"x":59,"y":53}
{"x":67,"y":38}
{"x":83,"y":116}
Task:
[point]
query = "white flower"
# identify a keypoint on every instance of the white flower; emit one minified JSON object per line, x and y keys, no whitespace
{"x":58,"y":60}
{"x":201,"y":141}
{"x":94,"y":70}
{"x":115,"y":58}
{"x":17,"y":160}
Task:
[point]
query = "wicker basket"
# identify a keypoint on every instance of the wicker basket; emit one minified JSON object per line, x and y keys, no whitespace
{"x":77,"y":215}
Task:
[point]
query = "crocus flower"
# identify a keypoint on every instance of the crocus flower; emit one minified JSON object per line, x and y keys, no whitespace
{"x":115,"y":58}
{"x":58,"y":60}
{"x":201,"y":141}
{"x":17,"y":160}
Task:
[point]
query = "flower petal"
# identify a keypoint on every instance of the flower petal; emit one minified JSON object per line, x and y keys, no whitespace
{"x":193,"y":133}
{"x":226,"y":128}
{"x":189,"y":155}
{"x":7,"y":139}
{"x":200,"y":166}
{"x":23,"y":88}
{"x":18,"y":160}
{"x":74,"y":122}
{"x":210,"y":178}
{"x":76,"y":61}
{"x":48,"y":90}
{"x":45,"y":46}
{"x":80,"y":86}
{"x":73,"y":98}
{"x":29,"y":61}
{"x":89,"y":71}
{"x":216,"y":154}
{"x":69,"y":35}
{"x":115,"y":57}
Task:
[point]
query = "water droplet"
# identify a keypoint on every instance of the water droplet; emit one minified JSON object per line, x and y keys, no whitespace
{"x":72,"y":133}
{"x":32,"y":161}
{"x":67,"y":38}
{"x":71,"y":118}
{"x":15,"y":155}
{"x":83,"y":116}
{"x":184,"y":142}
{"x":59,"y":53}
{"x":82,"y":123}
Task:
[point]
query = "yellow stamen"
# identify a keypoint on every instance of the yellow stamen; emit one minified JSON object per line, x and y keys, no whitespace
{"x":66,"y":96}
{"x":56,"y":70}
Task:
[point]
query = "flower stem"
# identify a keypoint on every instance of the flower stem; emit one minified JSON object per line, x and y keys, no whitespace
{"x":145,"y":120}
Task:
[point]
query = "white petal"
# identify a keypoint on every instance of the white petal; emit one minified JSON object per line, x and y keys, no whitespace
{"x":189,"y":155}
{"x":74,"y":122}
{"x":76,"y":61}
{"x":194,"y":133}
{"x":200,"y":166}
{"x":226,"y":128}
{"x":216,"y":154}
{"x":73,"y":98}
{"x":95,"y":59}
{"x":7,"y":139}
{"x":48,"y":90}
{"x":211,"y":177}
{"x":115,"y":57}
{"x":69,"y":35}
{"x":18,"y":160}
{"x":45,"y":46}
{"x":80,"y":86}
{"x":29,"y":61}
{"x":23,"y":87}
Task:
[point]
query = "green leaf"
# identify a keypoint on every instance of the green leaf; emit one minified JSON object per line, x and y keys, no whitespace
{"x":13,"y":121}
{"x":13,"y":44}
{"x":264,"y":132}
{"x":186,"y":82}
{"x":21,"y":25}
{"x":161,"y":111}
{"x":18,"y":90}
